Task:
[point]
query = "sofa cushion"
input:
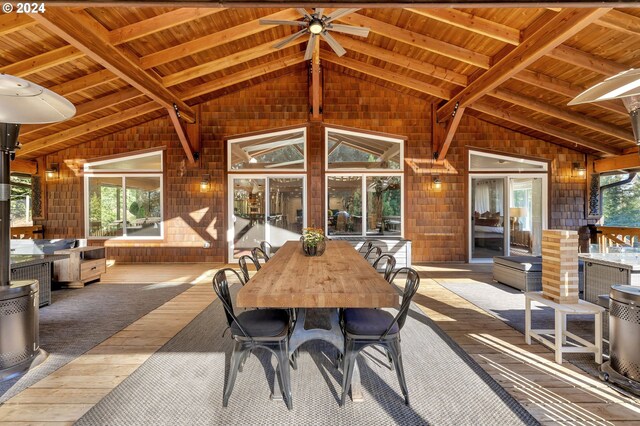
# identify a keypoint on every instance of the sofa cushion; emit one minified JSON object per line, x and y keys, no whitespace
{"x":524,"y":263}
{"x":51,"y":246}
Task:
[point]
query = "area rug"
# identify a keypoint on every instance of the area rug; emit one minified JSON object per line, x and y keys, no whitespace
{"x":79,"y":319}
{"x":507,"y":304}
{"x":182,"y":384}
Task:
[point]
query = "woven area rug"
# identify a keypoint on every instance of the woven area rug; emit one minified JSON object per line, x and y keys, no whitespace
{"x":182,"y":384}
{"x":507,"y":304}
{"x":79,"y":319}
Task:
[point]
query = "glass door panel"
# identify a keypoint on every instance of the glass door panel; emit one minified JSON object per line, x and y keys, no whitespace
{"x":249,"y":215}
{"x":525,"y":213}
{"x":384,"y":205}
{"x":344,"y":216}
{"x":487,"y":221}
{"x":286,"y":210}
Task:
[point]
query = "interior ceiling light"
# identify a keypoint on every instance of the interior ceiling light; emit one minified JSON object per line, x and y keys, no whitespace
{"x":316,"y":26}
{"x":625,"y":86}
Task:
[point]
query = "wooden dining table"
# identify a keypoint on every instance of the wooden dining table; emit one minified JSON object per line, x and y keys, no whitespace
{"x":340,"y":278}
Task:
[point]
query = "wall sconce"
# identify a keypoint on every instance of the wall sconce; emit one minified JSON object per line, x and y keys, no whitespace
{"x":437,"y":183}
{"x":205,"y":183}
{"x":52,"y":172}
{"x":579,"y":170}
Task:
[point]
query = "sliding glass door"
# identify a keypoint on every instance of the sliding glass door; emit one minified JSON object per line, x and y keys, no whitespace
{"x":488,"y":235}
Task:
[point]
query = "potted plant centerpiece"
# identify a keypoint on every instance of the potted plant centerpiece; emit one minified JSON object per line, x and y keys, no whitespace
{"x":313,"y":243}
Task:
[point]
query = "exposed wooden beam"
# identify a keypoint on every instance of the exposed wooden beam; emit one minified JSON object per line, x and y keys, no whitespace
{"x":351,"y":44}
{"x":561,"y":27}
{"x":563,"y":114}
{"x":243,"y":76}
{"x":213,"y":40}
{"x":86,"y":128}
{"x":24,"y":166}
{"x":83,"y":83}
{"x":621,"y":162}
{"x":10,"y":22}
{"x":587,"y":60}
{"x":90,"y":107}
{"x":419,"y":40}
{"x":452,"y":127}
{"x":545,"y":128}
{"x":621,"y":21}
{"x":226,"y":62}
{"x":43,"y":61}
{"x":476,"y":24}
{"x":72,"y":28}
{"x":182,"y":135}
{"x":316,"y":84}
{"x":159,"y":23}
{"x":390,"y":76}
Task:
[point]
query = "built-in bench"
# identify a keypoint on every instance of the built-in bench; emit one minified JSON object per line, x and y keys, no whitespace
{"x":398,"y":247}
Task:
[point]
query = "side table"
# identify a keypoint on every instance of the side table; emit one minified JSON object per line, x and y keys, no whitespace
{"x":560,"y":333}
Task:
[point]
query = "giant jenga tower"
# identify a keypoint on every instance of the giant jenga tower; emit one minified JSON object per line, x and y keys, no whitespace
{"x":560,"y":266}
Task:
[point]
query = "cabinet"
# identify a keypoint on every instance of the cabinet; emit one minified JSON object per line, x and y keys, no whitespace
{"x":85,"y":264}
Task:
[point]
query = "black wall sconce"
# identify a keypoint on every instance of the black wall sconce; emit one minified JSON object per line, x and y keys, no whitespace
{"x":437,"y":183}
{"x":579,"y":170}
{"x":53,"y":171}
{"x":205,"y":183}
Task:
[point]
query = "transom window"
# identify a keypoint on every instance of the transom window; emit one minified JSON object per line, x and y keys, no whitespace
{"x":275,"y":151}
{"x":360,"y":203}
{"x":123,"y":197}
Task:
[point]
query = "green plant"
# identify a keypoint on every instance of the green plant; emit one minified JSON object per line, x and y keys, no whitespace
{"x":312,"y":236}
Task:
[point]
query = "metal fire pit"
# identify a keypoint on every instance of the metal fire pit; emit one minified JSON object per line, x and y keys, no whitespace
{"x":19,"y":337}
{"x":623,"y":367}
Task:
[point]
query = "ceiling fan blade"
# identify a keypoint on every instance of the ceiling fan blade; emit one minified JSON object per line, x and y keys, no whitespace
{"x":339,"y":13}
{"x":308,"y":54}
{"x":333,"y":43}
{"x":304,"y":13}
{"x":289,"y":39}
{"x":349,"y":29}
{"x":282,"y":22}
{"x":318,"y":11}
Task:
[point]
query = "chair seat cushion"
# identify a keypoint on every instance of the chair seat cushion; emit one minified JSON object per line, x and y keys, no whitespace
{"x":368,"y":322}
{"x":261,"y":322}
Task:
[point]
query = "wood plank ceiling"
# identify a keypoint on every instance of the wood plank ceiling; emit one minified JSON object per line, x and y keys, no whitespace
{"x":515,"y":67}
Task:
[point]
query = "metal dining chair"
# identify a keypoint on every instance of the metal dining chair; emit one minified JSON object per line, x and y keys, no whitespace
{"x":267,"y":248}
{"x":257,"y":253}
{"x":242,"y":262}
{"x":373,"y":253}
{"x":266,"y":328}
{"x":364,"y":327}
{"x":365,"y":248}
{"x":388,"y":266}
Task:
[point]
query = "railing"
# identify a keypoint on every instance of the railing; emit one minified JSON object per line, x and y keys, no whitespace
{"x":618,"y":236}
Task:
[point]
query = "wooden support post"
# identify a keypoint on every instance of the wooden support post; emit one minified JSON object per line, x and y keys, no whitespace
{"x":316,"y":85}
{"x":182,"y":135}
{"x":442,"y":136}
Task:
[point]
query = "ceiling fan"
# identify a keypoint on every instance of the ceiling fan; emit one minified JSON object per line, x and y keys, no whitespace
{"x":316,"y":24}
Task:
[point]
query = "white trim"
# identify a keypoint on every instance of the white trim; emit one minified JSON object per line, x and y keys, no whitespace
{"x":544,"y":166}
{"x":122,"y":177}
{"x":267,"y":187}
{"x":266,"y":135}
{"x":506,"y":202}
{"x":160,"y":151}
{"x":361,"y":134}
{"x":363,"y":190}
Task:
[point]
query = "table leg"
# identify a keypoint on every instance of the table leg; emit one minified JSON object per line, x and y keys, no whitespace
{"x":527,"y":319}
{"x":598,"y":338}
{"x":559,"y":321}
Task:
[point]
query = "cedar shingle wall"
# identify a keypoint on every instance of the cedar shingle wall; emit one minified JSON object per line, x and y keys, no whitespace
{"x":433,"y":220}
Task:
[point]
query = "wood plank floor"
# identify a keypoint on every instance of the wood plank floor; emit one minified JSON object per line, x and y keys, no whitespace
{"x":554,"y":394}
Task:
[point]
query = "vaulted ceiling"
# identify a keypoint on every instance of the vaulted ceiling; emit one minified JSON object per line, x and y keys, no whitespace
{"x":516,"y":67}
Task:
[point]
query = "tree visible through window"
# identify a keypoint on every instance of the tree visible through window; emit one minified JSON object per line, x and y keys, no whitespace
{"x":620,"y":200}
{"x":21,"y":199}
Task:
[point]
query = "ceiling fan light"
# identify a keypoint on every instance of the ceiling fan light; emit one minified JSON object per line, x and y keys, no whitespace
{"x":316,"y":26}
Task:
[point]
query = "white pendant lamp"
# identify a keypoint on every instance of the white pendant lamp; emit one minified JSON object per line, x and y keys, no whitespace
{"x":625,"y":86}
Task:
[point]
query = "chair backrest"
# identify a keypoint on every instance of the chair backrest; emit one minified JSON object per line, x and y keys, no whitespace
{"x":221,"y":287}
{"x":373,"y":253}
{"x":267,"y":248}
{"x":257,"y":253}
{"x":242,"y":262}
{"x":365,"y":247}
{"x":410,"y":288}
{"x":390,"y":264}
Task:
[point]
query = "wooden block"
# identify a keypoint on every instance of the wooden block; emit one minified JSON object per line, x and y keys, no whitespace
{"x":560,"y":266}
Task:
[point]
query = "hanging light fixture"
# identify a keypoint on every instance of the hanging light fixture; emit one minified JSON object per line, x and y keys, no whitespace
{"x":625,"y":86}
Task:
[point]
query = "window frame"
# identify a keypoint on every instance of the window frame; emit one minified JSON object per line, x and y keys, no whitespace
{"x":123,"y":175}
{"x":399,"y":140}
{"x":233,"y":139}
